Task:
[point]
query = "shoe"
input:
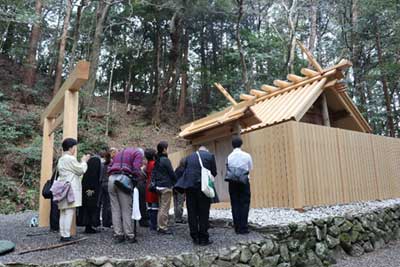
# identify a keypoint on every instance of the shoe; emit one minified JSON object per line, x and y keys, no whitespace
{"x":195,"y":241}
{"x":205,"y":242}
{"x":132,"y":240}
{"x":66,"y":239}
{"x":180,"y":221}
{"x":90,"y":230}
{"x":119,"y":239}
{"x":165,"y":232}
{"x":243,"y":232}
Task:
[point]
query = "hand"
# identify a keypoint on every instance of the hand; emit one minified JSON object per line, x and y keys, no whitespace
{"x":89,"y":192}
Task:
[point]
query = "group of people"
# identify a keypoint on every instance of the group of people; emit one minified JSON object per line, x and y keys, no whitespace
{"x":103,"y":187}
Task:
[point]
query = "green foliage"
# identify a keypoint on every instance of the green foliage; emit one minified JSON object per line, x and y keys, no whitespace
{"x":15,"y":198}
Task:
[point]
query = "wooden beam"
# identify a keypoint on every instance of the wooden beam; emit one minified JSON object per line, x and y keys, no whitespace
{"x":257,"y":93}
{"x":70,"y":126}
{"x":57,"y":122}
{"x":225,"y":93}
{"x":309,"y":73}
{"x":246,"y":97}
{"x":310,"y":57}
{"x":325,"y":110}
{"x":46,"y":171}
{"x":268,"y":88}
{"x":282,"y":84}
{"x":303,"y":83}
{"x":74,"y":81}
{"x":295,"y":78}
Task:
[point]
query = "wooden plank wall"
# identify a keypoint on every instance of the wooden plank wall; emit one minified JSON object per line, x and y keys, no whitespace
{"x":299,"y":164}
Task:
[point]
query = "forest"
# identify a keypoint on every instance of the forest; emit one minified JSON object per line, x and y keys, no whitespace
{"x":165,"y":55}
{"x":168,"y":54}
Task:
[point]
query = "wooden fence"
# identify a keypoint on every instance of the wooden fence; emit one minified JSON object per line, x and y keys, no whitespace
{"x":299,"y":164}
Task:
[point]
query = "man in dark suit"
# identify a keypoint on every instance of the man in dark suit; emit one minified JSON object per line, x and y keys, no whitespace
{"x":197,"y":203}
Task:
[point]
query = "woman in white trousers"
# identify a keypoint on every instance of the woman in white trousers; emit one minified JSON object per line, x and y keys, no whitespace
{"x":69,"y":169}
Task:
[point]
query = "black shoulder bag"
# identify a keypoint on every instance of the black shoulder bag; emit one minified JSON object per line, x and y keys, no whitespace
{"x":46,"y":192}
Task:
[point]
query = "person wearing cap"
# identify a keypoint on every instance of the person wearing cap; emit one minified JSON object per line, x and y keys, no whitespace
{"x":126,"y":165}
{"x":70,"y":170}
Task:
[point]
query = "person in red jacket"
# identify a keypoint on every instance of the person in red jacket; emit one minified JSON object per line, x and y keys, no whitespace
{"x":151,"y":197}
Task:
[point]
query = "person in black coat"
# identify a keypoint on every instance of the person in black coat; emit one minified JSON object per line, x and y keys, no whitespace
{"x":104,"y":197}
{"x":164,"y":176}
{"x":89,"y":213}
{"x":197,"y":203}
{"x":179,"y":198}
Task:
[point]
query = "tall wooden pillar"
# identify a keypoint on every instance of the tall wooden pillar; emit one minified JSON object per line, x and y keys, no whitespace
{"x":325,"y":110}
{"x":46,"y":170}
{"x":70,"y":126}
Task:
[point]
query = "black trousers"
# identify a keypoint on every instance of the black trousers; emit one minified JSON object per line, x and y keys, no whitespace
{"x":240,"y":202}
{"x":198,"y":207}
{"x":141,"y":186}
{"x":105,"y":204}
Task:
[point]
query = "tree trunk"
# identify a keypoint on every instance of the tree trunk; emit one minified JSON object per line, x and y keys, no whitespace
{"x":157,"y":45}
{"x":388,"y":101}
{"x":245,"y":79}
{"x":6,"y":46}
{"x":127,"y":87}
{"x":292,"y":21}
{"x":76,"y":34}
{"x":30,"y":75}
{"x":205,"y":96}
{"x":185,"y":68}
{"x":313,"y":25}
{"x":169,"y":79}
{"x":101,"y":14}
{"x":356,"y":54}
{"x":61,"y":51}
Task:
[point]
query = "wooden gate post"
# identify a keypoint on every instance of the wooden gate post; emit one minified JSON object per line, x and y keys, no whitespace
{"x":70,"y":126}
{"x":46,"y":170}
{"x":62,"y":108}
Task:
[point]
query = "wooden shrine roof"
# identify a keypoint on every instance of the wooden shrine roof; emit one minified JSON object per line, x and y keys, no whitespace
{"x":286,"y":100}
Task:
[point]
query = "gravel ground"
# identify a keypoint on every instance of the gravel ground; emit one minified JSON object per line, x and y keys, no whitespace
{"x":16,"y":227}
{"x":281,"y":216}
{"x":385,"y":257}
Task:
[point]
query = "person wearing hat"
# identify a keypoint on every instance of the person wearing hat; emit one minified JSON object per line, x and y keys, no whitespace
{"x":70,"y":170}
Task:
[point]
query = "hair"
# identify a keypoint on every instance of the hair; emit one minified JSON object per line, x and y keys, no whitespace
{"x":161,"y":146}
{"x":203,"y":148}
{"x":68,"y":143}
{"x":106,"y":156}
{"x":237,"y":142}
{"x":150,"y":154}
{"x":182,"y":162}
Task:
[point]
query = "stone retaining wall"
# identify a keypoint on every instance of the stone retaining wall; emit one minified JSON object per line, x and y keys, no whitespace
{"x":317,"y":243}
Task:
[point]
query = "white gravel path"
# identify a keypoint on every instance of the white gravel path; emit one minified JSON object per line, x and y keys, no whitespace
{"x":281,"y":216}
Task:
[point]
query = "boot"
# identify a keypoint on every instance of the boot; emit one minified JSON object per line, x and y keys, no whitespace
{"x":153,"y":219}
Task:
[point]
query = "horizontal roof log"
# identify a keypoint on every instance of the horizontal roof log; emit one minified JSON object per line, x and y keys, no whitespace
{"x":246,"y":97}
{"x":269,"y":88}
{"x":296,"y":85}
{"x":257,"y":93}
{"x":295,"y":78}
{"x":309,"y":73}
{"x":225,"y":93}
{"x":282,"y":84}
{"x":75,"y":80}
